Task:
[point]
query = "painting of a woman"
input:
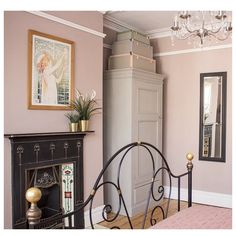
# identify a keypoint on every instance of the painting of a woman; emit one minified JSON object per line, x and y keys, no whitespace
{"x":48,"y":79}
{"x":51,"y":81}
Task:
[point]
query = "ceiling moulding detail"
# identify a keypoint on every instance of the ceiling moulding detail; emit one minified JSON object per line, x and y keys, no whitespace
{"x":159,"y":33}
{"x":118,"y":26}
{"x":103,"y":12}
{"x":67,"y":23}
{"x":113,"y":26}
{"x":192,"y":50}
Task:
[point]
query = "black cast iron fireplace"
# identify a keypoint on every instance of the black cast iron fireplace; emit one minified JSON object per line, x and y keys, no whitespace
{"x":52,"y":162}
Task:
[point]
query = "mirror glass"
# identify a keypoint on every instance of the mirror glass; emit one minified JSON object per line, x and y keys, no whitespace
{"x":212,"y":116}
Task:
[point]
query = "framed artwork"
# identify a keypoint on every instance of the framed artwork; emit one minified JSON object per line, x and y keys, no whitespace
{"x":51,"y":72}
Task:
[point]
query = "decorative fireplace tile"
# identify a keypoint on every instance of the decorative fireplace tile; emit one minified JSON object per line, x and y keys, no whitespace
{"x":67,"y":176}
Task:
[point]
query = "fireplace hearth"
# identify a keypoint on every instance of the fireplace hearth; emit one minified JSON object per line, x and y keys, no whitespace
{"x":52,"y":162}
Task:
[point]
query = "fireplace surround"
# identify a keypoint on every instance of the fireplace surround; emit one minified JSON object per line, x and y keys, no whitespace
{"x":52,"y":162}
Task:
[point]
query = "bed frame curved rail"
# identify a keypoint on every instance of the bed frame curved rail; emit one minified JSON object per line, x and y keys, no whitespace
{"x":33,"y":214}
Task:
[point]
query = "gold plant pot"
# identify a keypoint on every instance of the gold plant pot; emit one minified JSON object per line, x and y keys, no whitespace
{"x":74,"y":127}
{"x":84,"y":125}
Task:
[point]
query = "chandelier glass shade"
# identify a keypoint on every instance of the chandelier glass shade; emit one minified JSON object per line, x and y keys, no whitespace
{"x":202,"y":27}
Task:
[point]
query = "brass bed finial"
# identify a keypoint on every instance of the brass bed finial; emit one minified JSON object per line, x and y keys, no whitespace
{"x":93,"y":192}
{"x":33,"y":195}
{"x":139,"y":143}
{"x":189,"y":157}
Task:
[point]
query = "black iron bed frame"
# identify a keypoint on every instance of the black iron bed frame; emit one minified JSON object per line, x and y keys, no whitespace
{"x":57,"y":221}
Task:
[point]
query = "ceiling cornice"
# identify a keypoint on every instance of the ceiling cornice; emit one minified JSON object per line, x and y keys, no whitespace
{"x":192,"y":50}
{"x":114,"y":26}
{"x":119,"y":26}
{"x":159,"y":33}
{"x":103,"y":12}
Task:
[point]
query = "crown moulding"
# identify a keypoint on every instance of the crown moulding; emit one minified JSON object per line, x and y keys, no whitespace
{"x":119,"y":26}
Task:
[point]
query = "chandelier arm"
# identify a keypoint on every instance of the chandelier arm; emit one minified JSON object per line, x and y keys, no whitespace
{"x":221,"y":39}
{"x":188,"y":36}
{"x":217,"y":30}
{"x":190,"y":31}
{"x":212,"y":31}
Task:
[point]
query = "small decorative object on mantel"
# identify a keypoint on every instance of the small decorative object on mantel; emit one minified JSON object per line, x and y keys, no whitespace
{"x":74,"y":121}
{"x":85,"y":106}
{"x":84,"y":125}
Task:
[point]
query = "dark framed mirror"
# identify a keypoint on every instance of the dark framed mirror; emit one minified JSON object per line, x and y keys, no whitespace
{"x":212,"y":128}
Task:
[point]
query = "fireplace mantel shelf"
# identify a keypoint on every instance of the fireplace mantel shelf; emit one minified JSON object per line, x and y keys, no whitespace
{"x":45,"y":134}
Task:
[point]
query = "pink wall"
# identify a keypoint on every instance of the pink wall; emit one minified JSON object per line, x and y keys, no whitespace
{"x":90,"y":19}
{"x":110,"y":35}
{"x":88,"y":75}
{"x":109,"y":39}
{"x":106,"y":54}
{"x":181,"y":113}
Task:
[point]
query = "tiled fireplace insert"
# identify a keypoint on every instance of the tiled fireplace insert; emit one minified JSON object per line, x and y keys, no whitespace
{"x":52,"y":162}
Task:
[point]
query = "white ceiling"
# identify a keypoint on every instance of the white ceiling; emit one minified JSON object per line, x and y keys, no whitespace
{"x":144,"y":21}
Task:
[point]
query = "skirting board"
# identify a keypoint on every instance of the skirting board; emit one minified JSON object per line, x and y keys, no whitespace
{"x":209,"y":198}
{"x":96,"y":216}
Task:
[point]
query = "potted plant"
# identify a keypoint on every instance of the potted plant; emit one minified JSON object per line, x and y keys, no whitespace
{"x":86,"y":106}
{"x":74,"y":121}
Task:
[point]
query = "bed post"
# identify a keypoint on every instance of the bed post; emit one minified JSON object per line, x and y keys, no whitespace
{"x":190,"y":168}
{"x":33,"y":215}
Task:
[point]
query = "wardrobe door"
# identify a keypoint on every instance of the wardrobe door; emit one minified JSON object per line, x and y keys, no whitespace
{"x":147,"y":122}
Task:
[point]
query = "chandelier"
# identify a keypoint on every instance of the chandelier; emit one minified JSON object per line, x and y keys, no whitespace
{"x":208,"y":26}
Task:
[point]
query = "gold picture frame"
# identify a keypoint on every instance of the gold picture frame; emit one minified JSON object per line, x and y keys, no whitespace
{"x":51,"y":72}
